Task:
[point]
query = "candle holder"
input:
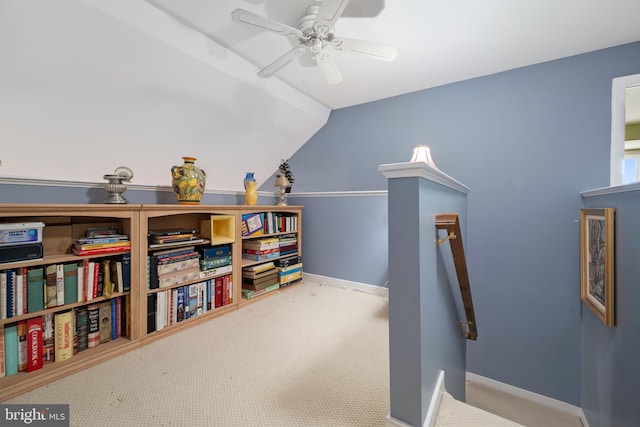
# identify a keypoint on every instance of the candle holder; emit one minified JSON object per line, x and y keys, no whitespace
{"x":115,"y":185}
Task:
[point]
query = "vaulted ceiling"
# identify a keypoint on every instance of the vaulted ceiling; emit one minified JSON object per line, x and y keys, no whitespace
{"x":142,"y":83}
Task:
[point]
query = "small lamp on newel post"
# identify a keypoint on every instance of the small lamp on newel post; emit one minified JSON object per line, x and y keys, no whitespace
{"x":282,"y":183}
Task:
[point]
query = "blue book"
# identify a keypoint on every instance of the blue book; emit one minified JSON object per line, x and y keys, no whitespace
{"x":180,"y":304}
{"x":10,"y":293}
{"x":126,"y":272}
{"x":114,"y":317}
{"x":215,"y":251}
{"x":11,"y":349}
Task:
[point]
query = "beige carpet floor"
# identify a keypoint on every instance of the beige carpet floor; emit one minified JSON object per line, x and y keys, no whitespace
{"x":313,"y":355}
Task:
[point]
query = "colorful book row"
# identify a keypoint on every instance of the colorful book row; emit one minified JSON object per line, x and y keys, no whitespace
{"x":31,"y":289}
{"x":55,"y":337}
{"x":169,"y":307}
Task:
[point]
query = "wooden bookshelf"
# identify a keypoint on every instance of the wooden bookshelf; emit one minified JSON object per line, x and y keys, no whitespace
{"x":64,"y":224}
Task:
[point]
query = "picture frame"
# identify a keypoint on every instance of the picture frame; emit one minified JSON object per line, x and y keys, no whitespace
{"x":597,"y":262}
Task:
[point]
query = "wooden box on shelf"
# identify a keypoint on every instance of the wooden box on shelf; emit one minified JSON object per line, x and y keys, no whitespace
{"x":220,"y":229}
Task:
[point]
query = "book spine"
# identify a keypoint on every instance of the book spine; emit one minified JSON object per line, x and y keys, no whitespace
{"x":121,"y":249}
{"x":59,"y":284}
{"x":93,"y":328}
{"x":126,"y":272}
{"x":11,"y":349}
{"x":48,"y":338}
{"x":2,"y":363}
{"x":89,"y":246}
{"x":34,"y":343}
{"x":3,"y":294}
{"x":63,"y":324}
{"x":23,"y":356}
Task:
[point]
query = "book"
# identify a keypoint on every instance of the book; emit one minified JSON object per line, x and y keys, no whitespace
{"x":126,"y":272}
{"x":11,"y":349}
{"x":10,"y":301}
{"x":151,"y":313}
{"x":215,"y":271}
{"x":172,"y":232}
{"x":59,"y":284}
{"x":34,"y":343}
{"x":35,"y":289}
{"x":107,"y":284}
{"x":2,"y":370}
{"x":213,"y":252}
{"x":93,"y":328}
{"x":285,"y":262}
{"x":252,"y":224}
{"x":258,"y":268}
{"x":3,"y":294}
{"x":22,"y":346}
{"x":51,"y":296}
{"x":180,"y":304}
{"x":112,"y":238}
{"x":82,"y":327}
{"x":248,"y":293}
{"x":70,"y":274}
{"x":88,"y":246}
{"x":193,"y":300}
{"x":104,"y":328}
{"x":63,"y":324}
{"x":218,"y":289}
{"x":48,"y":338}
{"x":99,"y":251}
{"x":260,"y":257}
{"x":19,"y":293}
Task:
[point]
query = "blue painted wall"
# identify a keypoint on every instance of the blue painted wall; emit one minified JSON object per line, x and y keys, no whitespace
{"x":526,"y":142}
{"x":610,"y":369}
{"x":424,"y":336}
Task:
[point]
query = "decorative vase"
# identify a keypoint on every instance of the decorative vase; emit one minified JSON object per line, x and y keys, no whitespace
{"x":251,"y":192}
{"x":248,"y":177}
{"x":188,"y":182}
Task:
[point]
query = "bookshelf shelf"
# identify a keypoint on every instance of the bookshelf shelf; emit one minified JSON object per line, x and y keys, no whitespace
{"x":220,"y":228}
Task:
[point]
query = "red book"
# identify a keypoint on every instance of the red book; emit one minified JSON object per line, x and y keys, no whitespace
{"x":96,"y":275}
{"x":115,"y":250}
{"x":218,"y":291}
{"x":34,"y":343}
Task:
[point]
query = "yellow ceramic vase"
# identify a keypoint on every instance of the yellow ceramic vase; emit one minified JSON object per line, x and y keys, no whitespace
{"x":251,"y":193}
{"x":188,"y":182}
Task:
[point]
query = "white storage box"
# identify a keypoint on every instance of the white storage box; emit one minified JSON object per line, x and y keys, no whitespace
{"x":21,"y":233}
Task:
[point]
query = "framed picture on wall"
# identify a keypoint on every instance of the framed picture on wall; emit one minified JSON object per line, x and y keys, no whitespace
{"x":597,"y":262}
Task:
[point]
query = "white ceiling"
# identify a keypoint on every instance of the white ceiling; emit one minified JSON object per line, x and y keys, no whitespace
{"x":438,"y":41}
{"x":89,"y":85}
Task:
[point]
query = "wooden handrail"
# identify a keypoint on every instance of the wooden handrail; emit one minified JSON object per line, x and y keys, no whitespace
{"x":450,"y":223}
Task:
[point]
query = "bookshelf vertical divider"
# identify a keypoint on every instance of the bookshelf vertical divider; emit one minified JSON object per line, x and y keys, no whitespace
{"x":219,"y":225}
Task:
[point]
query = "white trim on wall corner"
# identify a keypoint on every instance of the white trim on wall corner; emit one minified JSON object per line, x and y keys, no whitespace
{"x":634,"y":186}
{"x":432,"y":411}
{"x":540,"y":399}
{"x":346,"y":284}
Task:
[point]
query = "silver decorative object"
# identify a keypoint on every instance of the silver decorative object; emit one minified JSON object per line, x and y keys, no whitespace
{"x":115,"y":187}
{"x":282,"y":183}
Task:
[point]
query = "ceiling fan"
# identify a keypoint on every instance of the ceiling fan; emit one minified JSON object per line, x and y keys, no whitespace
{"x":314,"y":32}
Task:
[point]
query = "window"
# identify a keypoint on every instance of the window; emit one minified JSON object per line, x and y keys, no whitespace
{"x":625,"y":130}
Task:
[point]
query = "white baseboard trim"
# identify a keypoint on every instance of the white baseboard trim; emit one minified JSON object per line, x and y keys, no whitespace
{"x":436,"y":397}
{"x":346,"y":284}
{"x":432,"y":412}
{"x":530,"y":396}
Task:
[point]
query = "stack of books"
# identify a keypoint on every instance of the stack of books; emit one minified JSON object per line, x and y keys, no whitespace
{"x":102,"y":240}
{"x":21,"y":241}
{"x":289,"y":270}
{"x":261,"y":249}
{"x":173,"y":267}
{"x":259,"y":279}
{"x":288,"y":244}
{"x":173,"y":237}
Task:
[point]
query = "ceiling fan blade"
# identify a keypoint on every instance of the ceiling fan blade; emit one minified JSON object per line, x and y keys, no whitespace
{"x":375,"y":50}
{"x":330,"y":11}
{"x":328,"y":67}
{"x":246,"y":17}
{"x":281,"y":62}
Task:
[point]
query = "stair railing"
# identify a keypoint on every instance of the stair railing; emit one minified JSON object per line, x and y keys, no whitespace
{"x":450,"y":223}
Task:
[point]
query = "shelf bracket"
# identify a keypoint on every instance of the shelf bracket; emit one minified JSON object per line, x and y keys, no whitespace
{"x":451,"y":235}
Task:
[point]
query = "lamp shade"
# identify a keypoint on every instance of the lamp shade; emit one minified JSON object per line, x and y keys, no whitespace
{"x":422,"y":153}
{"x":282,"y":181}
